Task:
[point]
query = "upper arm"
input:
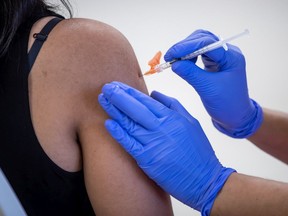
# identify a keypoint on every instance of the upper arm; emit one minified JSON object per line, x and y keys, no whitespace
{"x":94,"y":55}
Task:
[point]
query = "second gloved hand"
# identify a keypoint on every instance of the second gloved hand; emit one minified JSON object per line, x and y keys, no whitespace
{"x":221,"y":85}
{"x":167,"y":143}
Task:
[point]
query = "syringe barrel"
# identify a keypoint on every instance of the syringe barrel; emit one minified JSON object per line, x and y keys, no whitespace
{"x":161,"y":67}
{"x":203,"y":50}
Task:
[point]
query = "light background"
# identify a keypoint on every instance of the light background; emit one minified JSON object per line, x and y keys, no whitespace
{"x":156,"y":25}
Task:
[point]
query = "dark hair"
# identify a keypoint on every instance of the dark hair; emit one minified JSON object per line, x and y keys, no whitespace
{"x":15,"y":12}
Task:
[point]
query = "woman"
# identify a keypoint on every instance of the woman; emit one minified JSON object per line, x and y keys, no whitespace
{"x":54,"y":149}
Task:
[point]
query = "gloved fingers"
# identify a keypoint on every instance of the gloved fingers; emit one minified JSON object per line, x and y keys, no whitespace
{"x":116,"y":114}
{"x":164,"y":99}
{"x":218,"y":56}
{"x":189,"y":71}
{"x":131,"y":127}
{"x":154,"y":106}
{"x":111,"y":110}
{"x":186,"y":47}
{"x":221,"y":60}
{"x":200,"y":33}
{"x":129,"y":106}
{"x":209,"y":64}
{"x":131,"y":145}
{"x":196,"y":40}
{"x":173,"y":104}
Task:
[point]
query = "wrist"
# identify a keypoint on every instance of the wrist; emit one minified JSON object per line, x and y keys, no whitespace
{"x":216,"y":186}
{"x":252,"y":124}
{"x":224,"y":196}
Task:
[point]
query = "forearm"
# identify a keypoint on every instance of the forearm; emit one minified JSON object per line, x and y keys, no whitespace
{"x":246,"y":195}
{"x":272,"y":136}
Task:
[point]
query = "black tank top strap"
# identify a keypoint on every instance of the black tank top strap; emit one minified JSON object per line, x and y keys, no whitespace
{"x":40,"y":38}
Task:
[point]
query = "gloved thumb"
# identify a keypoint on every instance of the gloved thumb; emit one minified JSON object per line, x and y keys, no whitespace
{"x":188,"y":71}
{"x":132,"y":146}
{"x":172,"y":103}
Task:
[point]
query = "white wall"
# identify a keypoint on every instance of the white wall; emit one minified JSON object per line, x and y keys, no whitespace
{"x":156,"y":25}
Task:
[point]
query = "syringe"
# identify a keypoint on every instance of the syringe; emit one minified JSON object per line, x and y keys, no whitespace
{"x":221,"y":43}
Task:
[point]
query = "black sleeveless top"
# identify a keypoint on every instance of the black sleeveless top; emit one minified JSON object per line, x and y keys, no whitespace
{"x":41,"y":186}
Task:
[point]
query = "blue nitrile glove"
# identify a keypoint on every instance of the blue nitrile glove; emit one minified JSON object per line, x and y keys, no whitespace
{"x":167,"y":143}
{"x":222,"y":84}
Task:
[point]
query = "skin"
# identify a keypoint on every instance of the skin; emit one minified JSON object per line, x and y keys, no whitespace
{"x":272,"y":136}
{"x":78,"y":57}
{"x":247,"y":195}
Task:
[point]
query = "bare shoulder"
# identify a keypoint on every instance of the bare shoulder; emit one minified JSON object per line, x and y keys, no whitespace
{"x":81,"y":55}
{"x":87,"y":54}
{"x":88,"y":41}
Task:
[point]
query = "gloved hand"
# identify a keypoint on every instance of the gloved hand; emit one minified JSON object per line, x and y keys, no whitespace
{"x":167,"y":143}
{"x":222,"y":84}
